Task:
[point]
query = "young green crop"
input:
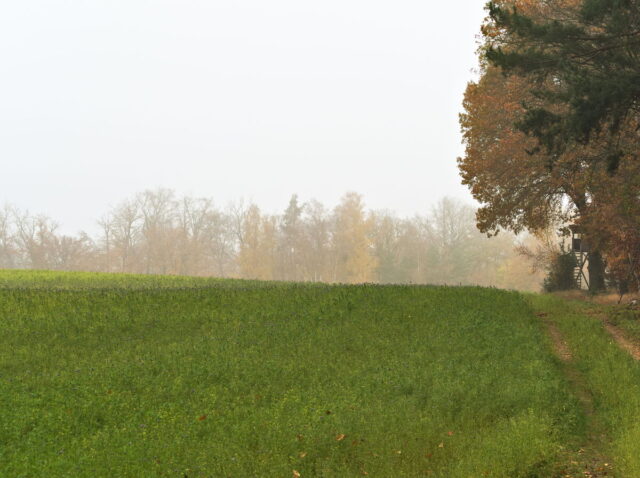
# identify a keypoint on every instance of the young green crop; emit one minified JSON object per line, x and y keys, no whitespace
{"x":133,"y":376}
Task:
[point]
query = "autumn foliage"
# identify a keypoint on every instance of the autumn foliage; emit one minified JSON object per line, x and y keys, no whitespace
{"x":527,"y":177}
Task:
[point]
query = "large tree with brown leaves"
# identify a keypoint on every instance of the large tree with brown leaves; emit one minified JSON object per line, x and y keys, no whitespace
{"x":522,"y":185}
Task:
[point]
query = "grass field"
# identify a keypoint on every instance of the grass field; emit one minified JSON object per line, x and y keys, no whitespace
{"x":110,"y":376}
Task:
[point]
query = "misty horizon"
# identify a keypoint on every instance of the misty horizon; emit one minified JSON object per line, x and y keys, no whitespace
{"x":159,"y":232}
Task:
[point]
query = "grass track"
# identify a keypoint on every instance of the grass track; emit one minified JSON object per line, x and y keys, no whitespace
{"x":611,"y":376}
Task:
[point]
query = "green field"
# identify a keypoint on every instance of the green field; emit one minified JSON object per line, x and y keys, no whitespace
{"x":113,"y":376}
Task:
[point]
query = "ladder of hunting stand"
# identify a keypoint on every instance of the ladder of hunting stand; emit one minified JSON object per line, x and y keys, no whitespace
{"x":578,"y":273}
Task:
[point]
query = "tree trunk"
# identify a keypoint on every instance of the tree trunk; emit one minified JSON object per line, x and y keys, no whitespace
{"x":596,"y":272}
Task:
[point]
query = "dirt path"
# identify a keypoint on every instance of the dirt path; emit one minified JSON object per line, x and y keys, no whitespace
{"x":560,"y":346}
{"x":622,"y":339}
{"x":587,"y":461}
{"x":573,"y":375}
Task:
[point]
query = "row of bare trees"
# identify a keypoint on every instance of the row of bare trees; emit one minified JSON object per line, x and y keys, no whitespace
{"x":28,"y":241}
{"x":157,"y":232}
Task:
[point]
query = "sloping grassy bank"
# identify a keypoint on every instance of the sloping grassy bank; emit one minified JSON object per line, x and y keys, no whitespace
{"x":234,"y":380}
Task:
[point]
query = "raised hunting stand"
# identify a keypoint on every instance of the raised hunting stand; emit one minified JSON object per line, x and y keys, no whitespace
{"x":580,"y":249}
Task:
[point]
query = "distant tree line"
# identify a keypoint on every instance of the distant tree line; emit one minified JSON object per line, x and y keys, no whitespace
{"x":157,"y":232}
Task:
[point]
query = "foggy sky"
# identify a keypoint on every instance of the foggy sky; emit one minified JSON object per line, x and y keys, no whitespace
{"x":227,"y":99}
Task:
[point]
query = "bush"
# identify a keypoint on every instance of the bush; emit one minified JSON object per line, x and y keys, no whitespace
{"x":560,"y":275}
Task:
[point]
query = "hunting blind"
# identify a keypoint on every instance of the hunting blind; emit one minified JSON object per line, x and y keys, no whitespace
{"x":580,"y":249}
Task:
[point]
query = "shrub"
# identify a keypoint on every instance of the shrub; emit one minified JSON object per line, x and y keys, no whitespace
{"x":560,"y":275}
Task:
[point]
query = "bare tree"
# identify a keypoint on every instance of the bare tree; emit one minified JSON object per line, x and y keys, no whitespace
{"x":36,"y":239}
{"x":125,"y":226}
{"x":8,"y":250}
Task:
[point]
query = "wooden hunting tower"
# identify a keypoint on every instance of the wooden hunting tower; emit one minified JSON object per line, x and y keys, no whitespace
{"x":580,"y":249}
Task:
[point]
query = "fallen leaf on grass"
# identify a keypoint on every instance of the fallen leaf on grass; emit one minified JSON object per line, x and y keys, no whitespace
{"x":302,"y":454}
{"x":202,"y":418}
{"x":340,"y":437}
{"x":296,"y":474}
{"x":441,"y":445}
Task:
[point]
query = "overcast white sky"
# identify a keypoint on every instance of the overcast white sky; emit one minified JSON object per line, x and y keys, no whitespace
{"x":100,"y":99}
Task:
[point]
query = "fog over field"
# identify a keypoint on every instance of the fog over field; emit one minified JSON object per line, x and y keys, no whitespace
{"x":159,"y":232}
{"x":224,"y":138}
